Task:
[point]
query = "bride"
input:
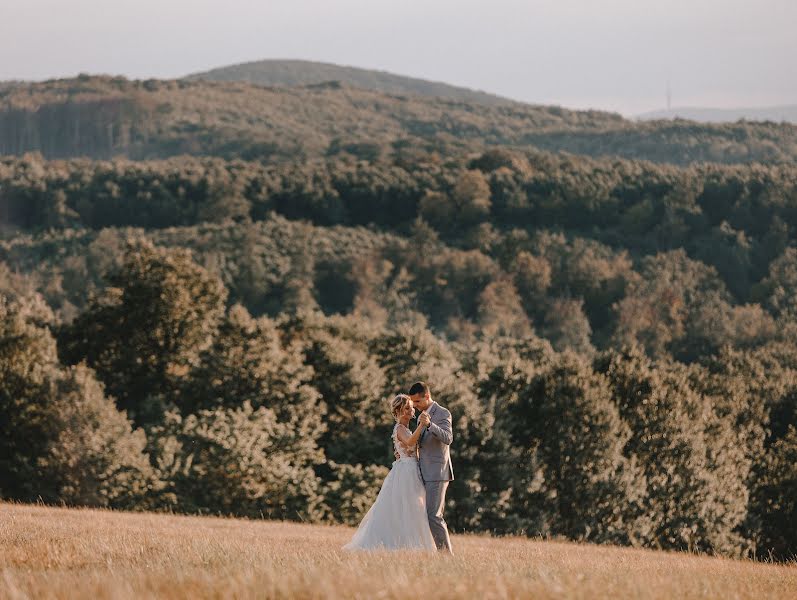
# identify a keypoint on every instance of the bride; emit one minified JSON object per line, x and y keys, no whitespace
{"x":397,"y":520}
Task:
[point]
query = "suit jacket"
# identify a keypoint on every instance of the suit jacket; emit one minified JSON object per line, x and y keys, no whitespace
{"x":434,"y":459}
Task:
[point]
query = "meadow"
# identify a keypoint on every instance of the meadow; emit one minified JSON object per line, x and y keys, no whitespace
{"x":53,"y":553}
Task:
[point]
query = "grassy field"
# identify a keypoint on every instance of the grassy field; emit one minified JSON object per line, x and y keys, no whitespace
{"x":68,"y":553}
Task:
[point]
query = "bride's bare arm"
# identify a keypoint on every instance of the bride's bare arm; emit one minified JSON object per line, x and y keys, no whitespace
{"x":407,"y":439}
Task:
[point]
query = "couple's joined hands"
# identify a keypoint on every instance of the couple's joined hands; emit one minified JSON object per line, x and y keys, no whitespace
{"x":423,"y":421}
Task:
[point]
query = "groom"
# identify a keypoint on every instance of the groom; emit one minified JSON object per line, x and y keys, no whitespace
{"x":433,"y":459}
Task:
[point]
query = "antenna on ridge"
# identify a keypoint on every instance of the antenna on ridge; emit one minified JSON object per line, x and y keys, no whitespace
{"x":669,"y":96}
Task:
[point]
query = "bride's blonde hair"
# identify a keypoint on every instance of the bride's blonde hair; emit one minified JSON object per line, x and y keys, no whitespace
{"x":398,"y":404}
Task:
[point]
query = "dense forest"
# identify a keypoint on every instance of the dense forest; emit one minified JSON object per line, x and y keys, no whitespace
{"x":614,"y":337}
{"x":106,"y":117}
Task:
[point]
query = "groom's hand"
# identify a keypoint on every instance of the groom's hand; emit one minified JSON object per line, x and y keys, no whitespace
{"x":424,"y":419}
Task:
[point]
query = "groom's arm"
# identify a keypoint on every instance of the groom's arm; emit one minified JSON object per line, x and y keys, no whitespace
{"x":443,"y":430}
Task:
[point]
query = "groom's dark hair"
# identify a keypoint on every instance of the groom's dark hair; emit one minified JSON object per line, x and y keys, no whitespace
{"x":419,"y":387}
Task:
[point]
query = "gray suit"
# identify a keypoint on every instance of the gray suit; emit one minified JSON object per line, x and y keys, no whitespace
{"x":434,"y":462}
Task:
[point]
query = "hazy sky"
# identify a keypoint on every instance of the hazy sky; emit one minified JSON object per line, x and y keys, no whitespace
{"x":609,"y":54}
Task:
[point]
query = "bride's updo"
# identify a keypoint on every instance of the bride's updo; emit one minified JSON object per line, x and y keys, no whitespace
{"x":398,"y":404}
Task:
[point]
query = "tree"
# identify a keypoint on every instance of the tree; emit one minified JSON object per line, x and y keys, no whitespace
{"x":351,"y":491}
{"x":756,"y":390}
{"x":467,"y":203}
{"x":471,"y":196}
{"x":94,"y":457}
{"x":566,"y":326}
{"x":62,"y":439}
{"x":236,"y":461}
{"x":658,"y":308}
{"x":694,"y":471}
{"x":501,"y":311}
{"x":437,"y":208}
{"x":248,"y":361}
{"x":350,"y":386}
{"x":561,"y":440}
{"x":143,"y":334}
{"x":730,"y":252}
{"x":500,"y":159}
{"x":532,"y":276}
{"x":28,"y":369}
{"x":384,"y":292}
{"x":775,"y":496}
{"x":781,"y":284}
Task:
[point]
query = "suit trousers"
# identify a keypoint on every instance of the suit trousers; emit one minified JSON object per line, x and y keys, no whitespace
{"x":435,"y":504}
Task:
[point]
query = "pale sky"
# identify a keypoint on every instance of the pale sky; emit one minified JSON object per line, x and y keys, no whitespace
{"x":609,"y":54}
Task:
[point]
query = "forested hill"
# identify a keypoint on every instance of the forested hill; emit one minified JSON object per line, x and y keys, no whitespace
{"x":302,"y":72}
{"x":557,"y":243}
{"x":615,"y":339}
{"x":103,"y":117}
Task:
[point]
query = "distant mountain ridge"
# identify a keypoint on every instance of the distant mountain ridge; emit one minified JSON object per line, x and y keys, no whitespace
{"x":776,"y":114}
{"x":291,"y":73}
{"x":105,"y":117}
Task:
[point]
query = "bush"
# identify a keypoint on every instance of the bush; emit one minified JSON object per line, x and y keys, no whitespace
{"x":240,"y":461}
{"x":776,"y":499}
{"x":62,"y":439}
{"x":94,"y":457}
{"x":351,"y":491}
{"x":563,"y":463}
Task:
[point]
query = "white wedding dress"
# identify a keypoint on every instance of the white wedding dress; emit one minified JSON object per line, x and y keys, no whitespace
{"x":397,"y":520}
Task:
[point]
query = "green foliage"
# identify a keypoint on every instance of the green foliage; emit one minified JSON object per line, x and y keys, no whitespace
{"x":105,"y":117}
{"x":563,"y":438}
{"x":501,"y":312}
{"x":471,"y":198}
{"x":143,"y":334}
{"x":316,"y":75}
{"x":62,"y":439}
{"x":351,"y":389}
{"x":262,"y":315}
{"x":242,"y":461}
{"x":694,"y":472}
{"x":247,"y":360}
{"x":28,"y":368}
{"x":781,"y":284}
{"x":776,"y":499}
{"x":566,"y":326}
{"x":351,"y":491}
{"x":669,"y":298}
{"x":756,"y":390}
{"x":94,"y":458}
{"x":577,"y":231}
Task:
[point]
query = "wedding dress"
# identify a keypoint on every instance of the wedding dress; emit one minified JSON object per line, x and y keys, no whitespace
{"x":397,"y":519}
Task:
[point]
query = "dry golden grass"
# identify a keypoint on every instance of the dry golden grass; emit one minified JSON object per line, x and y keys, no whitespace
{"x":68,"y":553}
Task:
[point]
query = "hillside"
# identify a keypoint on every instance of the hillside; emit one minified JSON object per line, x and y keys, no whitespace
{"x":103,"y":117}
{"x":221,"y":336}
{"x":568,"y":311}
{"x":777,"y":114}
{"x":302,"y":73}
{"x":67,"y":553}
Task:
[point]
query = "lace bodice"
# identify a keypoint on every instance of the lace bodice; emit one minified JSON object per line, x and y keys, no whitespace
{"x":403,"y":451}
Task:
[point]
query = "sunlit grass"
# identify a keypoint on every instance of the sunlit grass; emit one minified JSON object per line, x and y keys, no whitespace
{"x":79,"y":553}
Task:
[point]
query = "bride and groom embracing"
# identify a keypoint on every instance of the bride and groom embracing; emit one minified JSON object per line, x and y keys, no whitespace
{"x":408,"y":512}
